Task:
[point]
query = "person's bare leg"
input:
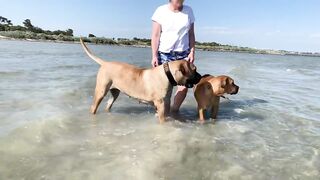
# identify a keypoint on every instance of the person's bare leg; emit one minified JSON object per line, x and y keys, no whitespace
{"x":179,"y":98}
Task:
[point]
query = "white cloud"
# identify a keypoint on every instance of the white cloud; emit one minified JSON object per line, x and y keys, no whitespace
{"x":272,"y":33}
{"x":222,"y":30}
{"x":122,"y":32}
{"x":270,"y":38}
{"x":315,"y":35}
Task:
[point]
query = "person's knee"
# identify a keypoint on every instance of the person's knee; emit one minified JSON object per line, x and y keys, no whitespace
{"x":182,"y":90}
{"x":179,"y":98}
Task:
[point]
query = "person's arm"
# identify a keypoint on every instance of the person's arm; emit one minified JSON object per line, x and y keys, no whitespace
{"x":155,"y":40}
{"x":192,"y":43}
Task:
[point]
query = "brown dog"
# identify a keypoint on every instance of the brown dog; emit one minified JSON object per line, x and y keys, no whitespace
{"x":208,"y":92}
{"x":147,"y":85}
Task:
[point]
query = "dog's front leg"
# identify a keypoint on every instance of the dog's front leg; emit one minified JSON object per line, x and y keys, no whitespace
{"x":167,"y":106}
{"x":201,"y":114}
{"x":160,"y":105}
{"x":167,"y":102}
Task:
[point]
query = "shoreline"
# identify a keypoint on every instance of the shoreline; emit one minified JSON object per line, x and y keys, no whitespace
{"x":67,"y":42}
{"x":210,"y":49}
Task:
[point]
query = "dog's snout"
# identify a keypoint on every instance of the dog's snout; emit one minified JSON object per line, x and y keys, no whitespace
{"x":195,"y":79}
{"x":236,"y":90}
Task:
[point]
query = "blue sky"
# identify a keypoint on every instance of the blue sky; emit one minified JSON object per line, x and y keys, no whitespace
{"x":271,"y":24}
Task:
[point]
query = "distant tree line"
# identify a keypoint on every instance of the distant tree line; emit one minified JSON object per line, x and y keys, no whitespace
{"x":6,"y":25}
{"x":207,"y":43}
{"x":29,"y":31}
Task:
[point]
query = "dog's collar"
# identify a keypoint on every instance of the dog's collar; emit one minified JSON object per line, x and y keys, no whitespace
{"x":225,"y":98}
{"x":169,"y":75}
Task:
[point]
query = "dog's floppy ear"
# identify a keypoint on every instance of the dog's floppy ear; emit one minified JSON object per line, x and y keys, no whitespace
{"x":218,"y":87}
{"x":224,"y":82}
{"x":192,"y":66}
{"x":183,"y":69}
{"x":186,"y":68}
{"x":179,"y":74}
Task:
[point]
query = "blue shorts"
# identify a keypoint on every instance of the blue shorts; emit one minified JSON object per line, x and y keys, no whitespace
{"x":172,"y":56}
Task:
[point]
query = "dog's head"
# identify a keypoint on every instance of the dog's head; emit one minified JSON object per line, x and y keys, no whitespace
{"x":224,"y":85}
{"x":185,"y":73}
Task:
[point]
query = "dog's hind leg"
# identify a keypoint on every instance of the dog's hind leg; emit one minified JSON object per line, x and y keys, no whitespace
{"x":214,"y":112}
{"x":215,"y":109}
{"x":101,"y":90}
{"x":114,"y":95}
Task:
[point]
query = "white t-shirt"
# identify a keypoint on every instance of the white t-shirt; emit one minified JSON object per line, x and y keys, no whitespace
{"x":175,"y":28}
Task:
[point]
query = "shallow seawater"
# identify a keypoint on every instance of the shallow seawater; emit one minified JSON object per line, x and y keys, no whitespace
{"x":270,"y":130}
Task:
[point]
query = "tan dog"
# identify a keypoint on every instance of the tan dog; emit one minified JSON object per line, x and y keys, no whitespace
{"x":208,"y":92}
{"x":147,"y":85}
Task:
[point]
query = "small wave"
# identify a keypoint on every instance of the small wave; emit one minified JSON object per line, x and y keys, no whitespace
{"x":239,"y":111}
{"x":308,"y":72}
{"x":70,"y":67}
{"x":8,"y":74}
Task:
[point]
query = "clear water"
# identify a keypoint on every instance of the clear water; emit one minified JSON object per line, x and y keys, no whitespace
{"x":270,"y":130}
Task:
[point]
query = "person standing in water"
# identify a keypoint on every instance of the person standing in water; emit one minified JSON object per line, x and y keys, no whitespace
{"x":173,"y":38}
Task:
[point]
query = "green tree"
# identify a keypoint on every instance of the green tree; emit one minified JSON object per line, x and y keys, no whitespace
{"x":17,"y":28}
{"x":91,"y":36}
{"x":5,"y":21}
{"x":58,"y":32}
{"x":5,"y":24}
{"x":69,"y":32}
{"x":27,"y":23}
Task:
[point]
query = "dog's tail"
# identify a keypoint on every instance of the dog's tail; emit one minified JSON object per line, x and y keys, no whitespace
{"x":89,"y":53}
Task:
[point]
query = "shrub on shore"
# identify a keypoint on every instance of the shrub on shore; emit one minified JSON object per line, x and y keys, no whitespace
{"x":60,"y":37}
{"x":102,"y":40}
{"x":36,"y":36}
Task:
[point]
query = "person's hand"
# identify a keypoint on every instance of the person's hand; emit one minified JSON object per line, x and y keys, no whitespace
{"x":191,"y":57}
{"x":154,"y":61}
